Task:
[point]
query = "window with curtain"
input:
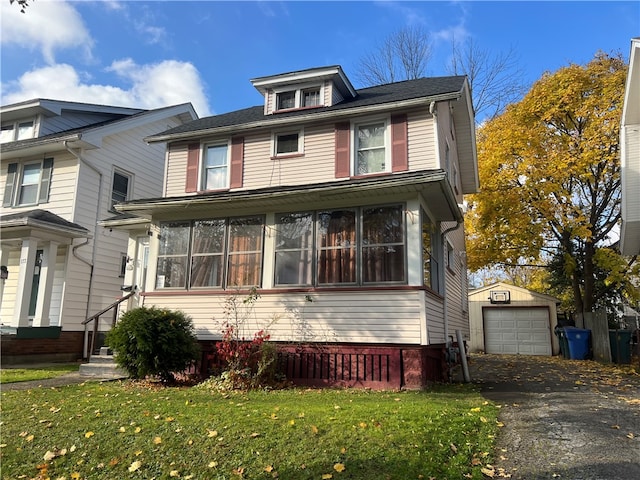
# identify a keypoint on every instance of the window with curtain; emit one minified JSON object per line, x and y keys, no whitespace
{"x":245,"y":252}
{"x":337,"y":247}
{"x":370,"y":149}
{"x":294,"y":249}
{"x":207,"y":253}
{"x":216,"y":253}
{"x":215,"y":167}
{"x":383,"y":250}
{"x":173,"y":255}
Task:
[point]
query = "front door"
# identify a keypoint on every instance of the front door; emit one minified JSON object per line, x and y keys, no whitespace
{"x":35,"y":283}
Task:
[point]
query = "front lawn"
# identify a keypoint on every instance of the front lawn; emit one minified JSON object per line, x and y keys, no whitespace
{"x":12,"y":375}
{"x":128,"y":430}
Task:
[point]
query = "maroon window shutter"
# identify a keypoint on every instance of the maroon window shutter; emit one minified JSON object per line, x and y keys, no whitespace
{"x":193,"y":160}
{"x":399,"y":152}
{"x":342,"y":133}
{"x":237,"y":161}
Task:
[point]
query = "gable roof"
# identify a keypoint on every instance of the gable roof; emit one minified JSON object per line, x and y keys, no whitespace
{"x":422,"y":89}
{"x":508,"y":286}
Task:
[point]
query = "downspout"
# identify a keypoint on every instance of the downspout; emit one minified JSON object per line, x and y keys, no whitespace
{"x":95,"y":236}
{"x":444,"y":280}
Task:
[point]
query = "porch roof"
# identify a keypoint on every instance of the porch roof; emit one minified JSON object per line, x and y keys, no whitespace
{"x":432,"y":185}
{"x":40,"y":224}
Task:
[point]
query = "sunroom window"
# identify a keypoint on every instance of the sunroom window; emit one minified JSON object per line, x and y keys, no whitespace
{"x":352,"y":247}
{"x":216,"y":253}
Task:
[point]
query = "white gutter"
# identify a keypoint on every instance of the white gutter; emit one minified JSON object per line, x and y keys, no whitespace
{"x":91,"y":264}
{"x":310,"y":117}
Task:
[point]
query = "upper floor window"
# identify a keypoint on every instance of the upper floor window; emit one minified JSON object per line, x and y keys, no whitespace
{"x":338,"y":247}
{"x":17,"y":131}
{"x":215,"y":167}
{"x":371,"y":150}
{"x":120,"y":188}
{"x":28,"y":183}
{"x":288,"y":143}
{"x":299,"y":98}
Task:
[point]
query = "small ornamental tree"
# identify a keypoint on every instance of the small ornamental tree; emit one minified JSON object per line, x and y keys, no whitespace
{"x":154,"y":342}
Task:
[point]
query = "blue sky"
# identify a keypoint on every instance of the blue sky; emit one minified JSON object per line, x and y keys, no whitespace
{"x":152,"y":54}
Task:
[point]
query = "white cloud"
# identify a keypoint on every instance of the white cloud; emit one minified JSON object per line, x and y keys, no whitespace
{"x":148,"y":86}
{"x":46,"y":26}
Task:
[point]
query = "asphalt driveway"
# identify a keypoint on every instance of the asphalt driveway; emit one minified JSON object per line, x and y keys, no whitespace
{"x":566,"y":419}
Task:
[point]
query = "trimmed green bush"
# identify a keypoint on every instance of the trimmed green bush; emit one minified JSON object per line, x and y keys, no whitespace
{"x":149,"y":341}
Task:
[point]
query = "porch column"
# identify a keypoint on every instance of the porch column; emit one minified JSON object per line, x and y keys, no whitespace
{"x":47,"y":269}
{"x":25,"y":281}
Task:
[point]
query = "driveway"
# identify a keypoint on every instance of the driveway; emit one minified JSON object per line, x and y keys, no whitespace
{"x":566,"y":419}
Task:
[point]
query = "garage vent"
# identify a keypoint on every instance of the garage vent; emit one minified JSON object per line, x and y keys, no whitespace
{"x":500,"y":296}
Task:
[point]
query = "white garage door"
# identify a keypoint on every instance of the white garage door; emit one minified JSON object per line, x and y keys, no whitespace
{"x":517,"y":330}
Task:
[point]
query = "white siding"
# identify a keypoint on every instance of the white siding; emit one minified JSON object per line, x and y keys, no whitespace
{"x":421,"y":141}
{"x":367,"y":317}
{"x":176,"y":174}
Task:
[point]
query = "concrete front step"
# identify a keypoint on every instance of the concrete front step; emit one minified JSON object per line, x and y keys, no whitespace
{"x":102,"y":370}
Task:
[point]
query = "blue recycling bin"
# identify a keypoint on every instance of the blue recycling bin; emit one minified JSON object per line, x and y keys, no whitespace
{"x":578,"y":341}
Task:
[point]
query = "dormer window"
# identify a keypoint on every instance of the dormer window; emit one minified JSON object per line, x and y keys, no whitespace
{"x":300,"y":98}
{"x":17,"y":131}
{"x":286,"y":100}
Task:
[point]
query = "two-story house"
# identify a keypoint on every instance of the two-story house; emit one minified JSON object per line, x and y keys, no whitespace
{"x":64,"y":166}
{"x":343,"y":207}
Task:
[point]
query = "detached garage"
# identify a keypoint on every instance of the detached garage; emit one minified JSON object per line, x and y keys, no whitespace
{"x":512,"y":320}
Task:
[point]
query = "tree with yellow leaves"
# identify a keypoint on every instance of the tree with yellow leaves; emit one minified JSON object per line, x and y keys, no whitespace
{"x":550,"y":183}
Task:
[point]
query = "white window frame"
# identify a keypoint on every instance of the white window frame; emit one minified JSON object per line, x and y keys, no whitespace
{"x":202,"y":181}
{"x":299,"y":91}
{"x":355,"y":126}
{"x":14,"y":127}
{"x":277,"y":134}
{"x":21,"y":184}
{"x":129,"y":178}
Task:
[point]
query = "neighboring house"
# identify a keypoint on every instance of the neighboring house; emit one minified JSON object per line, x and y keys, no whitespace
{"x":630,"y":156}
{"x":341,"y":206}
{"x":64,"y":166}
{"x":513,"y":320}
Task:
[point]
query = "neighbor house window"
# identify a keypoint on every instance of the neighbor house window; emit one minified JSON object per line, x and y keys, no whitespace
{"x":353,"y":246}
{"x":119,"y":188}
{"x":287,"y":143}
{"x":28,"y":183}
{"x":216,"y":253}
{"x":215,"y":167}
{"x":370,"y":149}
{"x":17,"y":131}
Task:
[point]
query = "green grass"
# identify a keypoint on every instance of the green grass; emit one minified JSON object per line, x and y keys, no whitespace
{"x":12,"y":375}
{"x":101,"y":431}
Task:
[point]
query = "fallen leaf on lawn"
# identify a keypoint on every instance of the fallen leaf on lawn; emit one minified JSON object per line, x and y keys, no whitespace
{"x":138,"y":430}
{"x":630,"y":435}
{"x":75,"y":476}
{"x":339,"y":467}
{"x":476,"y":409}
{"x":169,"y":419}
{"x":363,"y":425}
{"x":254,"y":435}
{"x":30,"y":438}
{"x":137,"y":453}
{"x":122,"y":429}
{"x":292,"y":422}
{"x":157,"y":440}
{"x":72,"y":448}
{"x":212,"y":433}
{"x":500,"y":424}
{"x":135,"y":466}
{"x":454,"y":449}
{"x":326,"y":476}
{"x":89,"y":435}
{"x":174,"y":473}
{"x":475,"y":461}
{"x":343,"y":450}
{"x":616,"y":427}
{"x":213,"y":464}
{"x":483,"y":419}
{"x":274,"y":416}
{"x":488,"y":471}
{"x":268,"y":468}
{"x":49,"y":456}
{"x":238,"y":471}
{"x":114,"y":461}
{"x":314,"y":429}
{"x":301,"y":415}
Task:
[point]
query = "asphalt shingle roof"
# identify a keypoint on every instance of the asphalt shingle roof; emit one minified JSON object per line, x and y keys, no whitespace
{"x":378,"y":95}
